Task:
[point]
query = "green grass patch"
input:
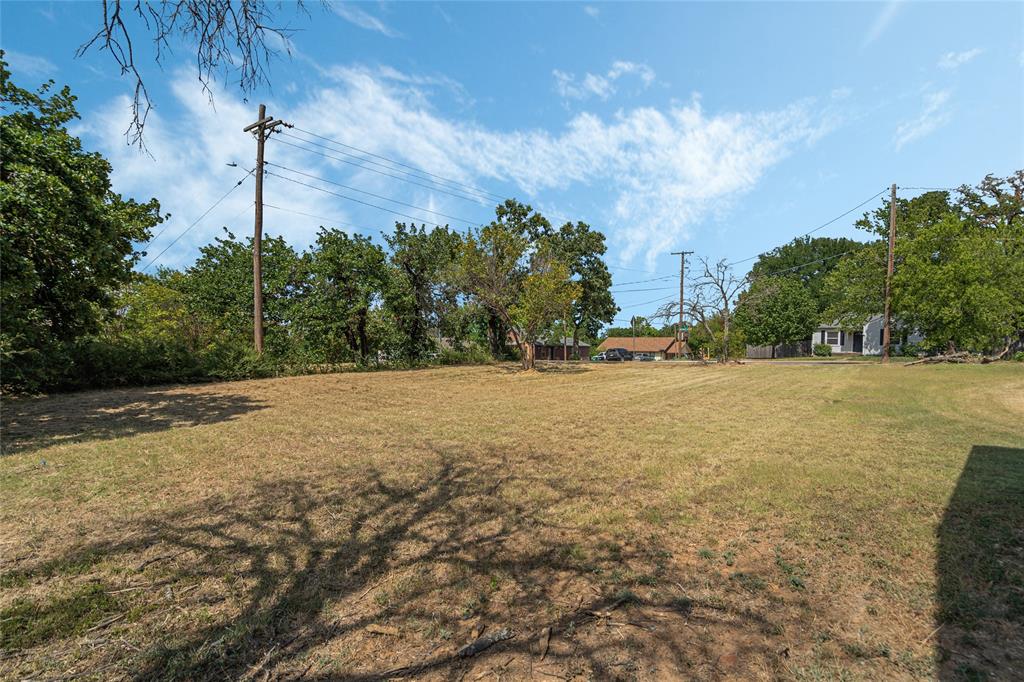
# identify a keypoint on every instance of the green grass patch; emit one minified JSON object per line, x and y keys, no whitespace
{"x":28,"y":623}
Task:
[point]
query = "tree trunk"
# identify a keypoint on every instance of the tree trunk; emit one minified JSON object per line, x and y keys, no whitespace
{"x":725,"y":336}
{"x":575,"y":342}
{"x":494,"y":335}
{"x":364,"y":342}
{"x":527,"y":351}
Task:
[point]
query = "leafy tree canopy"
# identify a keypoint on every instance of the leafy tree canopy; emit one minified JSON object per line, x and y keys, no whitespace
{"x":66,"y":238}
{"x":959,"y":267}
{"x":807,"y":260}
{"x":776,"y":310}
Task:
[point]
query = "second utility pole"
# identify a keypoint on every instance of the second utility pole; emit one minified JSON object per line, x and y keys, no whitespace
{"x":263,"y":126}
{"x":682,"y":277}
{"x":887,"y":322}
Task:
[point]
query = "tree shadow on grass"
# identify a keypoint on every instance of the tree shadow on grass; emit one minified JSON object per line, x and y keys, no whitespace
{"x":36,"y":423}
{"x":288,"y":578}
{"x":980,"y":569}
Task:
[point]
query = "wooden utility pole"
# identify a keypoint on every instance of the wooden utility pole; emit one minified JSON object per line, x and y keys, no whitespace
{"x":262,"y":128}
{"x":632,"y":324}
{"x":682,"y":291}
{"x":887,"y":321}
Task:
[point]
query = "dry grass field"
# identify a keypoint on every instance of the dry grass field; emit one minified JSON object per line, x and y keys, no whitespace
{"x":647,"y":521}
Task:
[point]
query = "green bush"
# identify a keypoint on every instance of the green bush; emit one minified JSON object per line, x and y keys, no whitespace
{"x":911,"y":350}
{"x":822,"y":350}
{"x":1019,"y":356}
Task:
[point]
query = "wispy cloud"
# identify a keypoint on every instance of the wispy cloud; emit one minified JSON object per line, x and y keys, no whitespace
{"x":934,"y":114}
{"x":600,"y":85}
{"x":664,"y":171}
{"x":953,"y":60}
{"x":882,"y":20}
{"x":30,"y":65}
{"x":354,"y":14}
{"x":591,"y":11}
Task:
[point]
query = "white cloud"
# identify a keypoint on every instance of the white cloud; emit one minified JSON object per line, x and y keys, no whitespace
{"x":881,"y":22}
{"x":186,"y":169}
{"x":591,"y":11}
{"x":601,"y":86}
{"x":29,"y":65}
{"x":353,"y":14}
{"x":934,"y":114}
{"x":952,"y":60}
{"x":656,"y":173}
{"x":663,"y":170}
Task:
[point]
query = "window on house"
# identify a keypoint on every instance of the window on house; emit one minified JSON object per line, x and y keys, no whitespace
{"x":832,"y":338}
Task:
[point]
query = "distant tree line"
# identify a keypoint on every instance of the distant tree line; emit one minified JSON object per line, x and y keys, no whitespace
{"x":77,"y":314}
{"x":958,"y":279}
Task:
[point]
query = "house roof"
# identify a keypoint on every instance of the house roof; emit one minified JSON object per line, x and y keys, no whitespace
{"x":644,"y":344}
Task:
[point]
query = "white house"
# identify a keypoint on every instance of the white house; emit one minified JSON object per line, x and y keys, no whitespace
{"x":867,"y":341}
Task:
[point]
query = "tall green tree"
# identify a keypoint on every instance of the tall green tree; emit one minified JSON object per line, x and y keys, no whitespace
{"x":421,"y":294}
{"x":776,"y":310}
{"x":807,"y":260}
{"x":510,"y":268}
{"x":958,"y":268}
{"x":218,"y":290}
{"x":66,"y":238}
{"x":348,"y":277}
{"x":582,"y":249}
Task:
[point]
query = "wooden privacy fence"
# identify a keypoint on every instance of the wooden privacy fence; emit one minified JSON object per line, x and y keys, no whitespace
{"x":783,"y":350}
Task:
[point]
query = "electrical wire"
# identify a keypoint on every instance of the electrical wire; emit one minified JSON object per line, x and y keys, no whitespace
{"x":422,"y":174}
{"x":645,"y":281}
{"x":433,"y":188}
{"x":196,"y":221}
{"x":330,"y":221}
{"x":819,"y":227}
{"x":168,"y":225}
{"x":637,"y":305}
{"x":342,"y":196}
{"x":371,"y":194}
{"x":420,"y":171}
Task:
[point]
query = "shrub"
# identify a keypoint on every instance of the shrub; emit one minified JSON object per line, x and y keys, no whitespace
{"x":822,"y":350}
{"x":1019,"y":356}
{"x":911,"y":350}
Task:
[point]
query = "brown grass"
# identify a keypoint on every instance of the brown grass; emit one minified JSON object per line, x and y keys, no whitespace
{"x":665,"y":521}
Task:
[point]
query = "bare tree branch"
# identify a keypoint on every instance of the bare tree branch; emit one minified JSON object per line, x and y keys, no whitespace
{"x":230,"y":38}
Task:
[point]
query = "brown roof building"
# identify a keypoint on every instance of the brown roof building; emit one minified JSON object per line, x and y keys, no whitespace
{"x":661,"y":347}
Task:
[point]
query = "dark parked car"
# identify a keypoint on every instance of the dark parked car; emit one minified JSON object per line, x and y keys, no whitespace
{"x":617,"y":355}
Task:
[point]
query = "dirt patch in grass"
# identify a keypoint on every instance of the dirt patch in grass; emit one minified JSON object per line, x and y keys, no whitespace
{"x":703,"y":523}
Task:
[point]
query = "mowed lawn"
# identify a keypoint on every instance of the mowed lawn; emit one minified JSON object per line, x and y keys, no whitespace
{"x":641,"y":521}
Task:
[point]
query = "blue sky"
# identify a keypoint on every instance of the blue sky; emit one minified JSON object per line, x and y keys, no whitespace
{"x":723,"y":128}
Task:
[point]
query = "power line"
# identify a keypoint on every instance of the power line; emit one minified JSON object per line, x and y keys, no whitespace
{"x":433,"y":188}
{"x":637,"y":305}
{"x":330,"y":221}
{"x":644,"y":281}
{"x":196,"y":221}
{"x":430,"y":177}
{"x":819,"y":227}
{"x":375,"y":196}
{"x":342,"y":196}
{"x":810,"y":262}
{"x":623,"y":267}
{"x":476,"y":190}
{"x":631,"y":291}
{"x":168,"y":225}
